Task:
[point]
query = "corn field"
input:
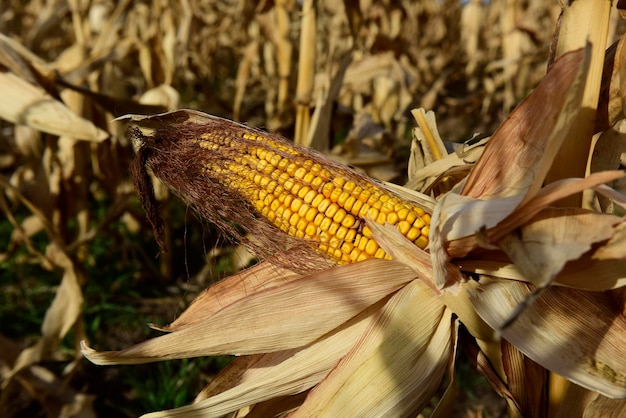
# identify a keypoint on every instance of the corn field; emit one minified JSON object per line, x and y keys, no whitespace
{"x":440,"y":235}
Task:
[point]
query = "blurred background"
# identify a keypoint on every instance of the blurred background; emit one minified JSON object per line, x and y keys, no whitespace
{"x":77,"y":258}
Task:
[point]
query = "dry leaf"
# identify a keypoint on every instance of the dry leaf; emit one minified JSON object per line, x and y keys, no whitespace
{"x":260,"y":277}
{"x":293,"y":321}
{"x":253,"y":379}
{"x":541,"y":247}
{"x":24,"y":103}
{"x":395,"y":367}
{"x":520,"y":153}
{"x":577,"y":334}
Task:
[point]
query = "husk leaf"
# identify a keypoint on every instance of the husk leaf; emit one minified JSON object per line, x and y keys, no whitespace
{"x":257,"y":378}
{"x":255,"y":279}
{"x":576,"y":334}
{"x":542,"y":247}
{"x":520,"y":152}
{"x":397,"y":365}
{"x":249,"y":326}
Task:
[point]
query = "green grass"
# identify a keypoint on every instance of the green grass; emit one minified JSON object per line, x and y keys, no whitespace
{"x":123,"y":292}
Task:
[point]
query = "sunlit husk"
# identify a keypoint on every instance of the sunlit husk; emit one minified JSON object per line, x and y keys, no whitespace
{"x":520,"y":152}
{"x":236,"y":287}
{"x":278,"y":318}
{"x":254,"y":379}
{"x":578,"y":334}
{"x":395,"y":367}
{"x":541,"y":248}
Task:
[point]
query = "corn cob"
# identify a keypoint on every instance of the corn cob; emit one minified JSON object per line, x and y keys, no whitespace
{"x":307,"y":196}
{"x":308,"y":200}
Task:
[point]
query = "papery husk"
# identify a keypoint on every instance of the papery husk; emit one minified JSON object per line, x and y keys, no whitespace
{"x":457,"y":164}
{"x":582,"y":24}
{"x":613,"y":88}
{"x":278,"y":318}
{"x":255,"y":279}
{"x":581,"y":402}
{"x":506,"y":214}
{"x":527,"y":382}
{"x":513,"y":165}
{"x":260,"y":377}
{"x":520,"y":152}
{"x":446,"y":402}
{"x":455,"y":297}
{"x":274,"y":407}
{"x":395,"y":367}
{"x":579,"y":335}
{"x":541,"y":248}
{"x":585,"y":273}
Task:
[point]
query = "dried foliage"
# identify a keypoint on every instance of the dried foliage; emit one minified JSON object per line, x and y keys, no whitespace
{"x":341,"y":77}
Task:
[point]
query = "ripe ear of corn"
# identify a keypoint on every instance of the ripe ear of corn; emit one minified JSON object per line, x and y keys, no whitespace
{"x":232,"y":172}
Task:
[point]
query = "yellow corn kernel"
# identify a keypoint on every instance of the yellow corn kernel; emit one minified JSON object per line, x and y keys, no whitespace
{"x":303,"y":191}
{"x":364,"y":196}
{"x":356,"y":207}
{"x":308,"y":178}
{"x":318,"y":219}
{"x":317,"y":200}
{"x":303,"y":210}
{"x":303,"y":197}
{"x":334,"y":226}
{"x":327,"y":189}
{"x":349,"y":186}
{"x":332,"y":210}
{"x":349,"y":203}
{"x":335,"y":195}
{"x":295,"y":205}
{"x":374,"y":202}
{"x":291,"y":169}
{"x":324,"y":205}
{"x":310,"y":196}
{"x":354,"y":254}
{"x":283,"y":164}
{"x":351,"y":235}
{"x":392,"y":218}
{"x":339,"y":182}
{"x":419,"y":223}
{"x":310,"y":214}
{"x":371,"y":247}
{"x":317,"y":181}
{"x":363,"y":213}
{"x":325,"y":224}
{"x":413,"y":234}
{"x":348,"y":221}
{"x":421,"y":242}
{"x":288,"y":184}
{"x":296,"y":188}
{"x":403,"y":227}
{"x":300,"y":172}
